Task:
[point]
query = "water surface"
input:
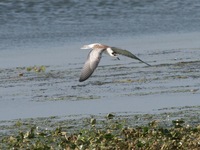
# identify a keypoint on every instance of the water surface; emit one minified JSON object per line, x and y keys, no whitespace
{"x":32,"y":24}
{"x":165,"y":33}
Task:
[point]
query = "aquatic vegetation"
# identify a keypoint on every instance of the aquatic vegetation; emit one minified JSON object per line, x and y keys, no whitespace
{"x":36,"y":68}
{"x":112,"y":134}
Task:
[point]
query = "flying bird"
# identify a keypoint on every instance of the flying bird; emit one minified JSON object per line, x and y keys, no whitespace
{"x":94,"y":57}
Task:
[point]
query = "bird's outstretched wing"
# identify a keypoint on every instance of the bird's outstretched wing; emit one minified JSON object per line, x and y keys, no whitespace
{"x":127,"y":53}
{"x":90,"y":65}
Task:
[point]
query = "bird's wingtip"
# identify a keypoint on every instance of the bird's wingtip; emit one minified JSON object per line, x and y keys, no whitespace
{"x":147,"y":64}
{"x":80,"y":80}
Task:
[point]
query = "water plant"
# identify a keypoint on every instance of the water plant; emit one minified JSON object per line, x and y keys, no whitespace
{"x":36,"y":68}
{"x":112,"y":134}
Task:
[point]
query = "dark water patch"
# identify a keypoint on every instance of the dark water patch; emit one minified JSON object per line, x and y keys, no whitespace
{"x":62,"y":97}
{"x":160,"y":53}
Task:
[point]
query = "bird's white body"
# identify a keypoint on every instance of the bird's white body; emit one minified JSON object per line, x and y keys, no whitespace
{"x":108,"y":50}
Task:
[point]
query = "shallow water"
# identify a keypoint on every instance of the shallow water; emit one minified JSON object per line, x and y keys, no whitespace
{"x":51,"y":33}
{"x":123,"y":85}
{"x":119,"y":105}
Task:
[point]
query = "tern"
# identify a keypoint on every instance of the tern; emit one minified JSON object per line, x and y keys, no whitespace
{"x":95,"y":54}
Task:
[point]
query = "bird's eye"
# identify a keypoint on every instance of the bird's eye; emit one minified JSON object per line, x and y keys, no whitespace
{"x":114,"y":53}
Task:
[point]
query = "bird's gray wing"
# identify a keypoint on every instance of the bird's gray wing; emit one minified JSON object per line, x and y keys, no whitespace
{"x":90,"y":65}
{"x":127,"y":53}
